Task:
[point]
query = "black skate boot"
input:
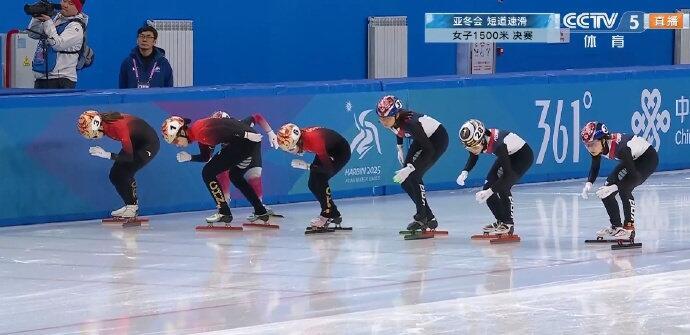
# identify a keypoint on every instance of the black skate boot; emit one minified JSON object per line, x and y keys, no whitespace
{"x":419,"y":223}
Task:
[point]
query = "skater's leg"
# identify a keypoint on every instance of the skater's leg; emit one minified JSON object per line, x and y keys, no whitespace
{"x":237,"y":178}
{"x":507,"y":207}
{"x":228,"y":157}
{"x":414,"y":187}
{"x":253,"y":177}
{"x":494,"y":202}
{"x":611,"y":205}
{"x":122,"y":177}
{"x":224,"y":182}
{"x":318,"y":185}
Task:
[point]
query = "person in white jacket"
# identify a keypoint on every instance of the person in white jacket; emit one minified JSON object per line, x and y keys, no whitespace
{"x":61,"y":39}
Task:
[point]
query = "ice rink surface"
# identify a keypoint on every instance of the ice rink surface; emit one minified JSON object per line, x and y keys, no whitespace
{"x":87,"y":278}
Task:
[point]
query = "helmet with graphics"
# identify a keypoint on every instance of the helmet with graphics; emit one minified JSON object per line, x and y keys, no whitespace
{"x":472,"y":133}
{"x":288,"y":136}
{"x":89,"y":125}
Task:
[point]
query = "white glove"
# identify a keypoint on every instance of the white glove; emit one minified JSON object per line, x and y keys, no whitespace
{"x":300,"y":164}
{"x":183,"y":156}
{"x":587,"y":188}
{"x":605,"y":191}
{"x":272,"y":139}
{"x":403,"y":173}
{"x":254,"y":137}
{"x":99,"y":152}
{"x":401,"y":155}
{"x":462,"y":177}
{"x":481,"y":196}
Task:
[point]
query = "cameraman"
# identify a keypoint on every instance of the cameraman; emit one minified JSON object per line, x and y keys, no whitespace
{"x":61,"y":39}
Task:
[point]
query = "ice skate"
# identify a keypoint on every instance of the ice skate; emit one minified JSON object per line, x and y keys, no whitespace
{"x":127,"y":216}
{"x":270,"y":212}
{"x":333,"y":224}
{"x":488,"y":232}
{"x":498,"y":232}
{"x":605,"y":235}
{"x":127,"y":211}
{"x":320,"y":224}
{"x":216,"y":218}
{"x":505,"y":234}
{"x":625,"y":237}
{"x":417,"y":229}
{"x":431,"y":226}
{"x":263,"y":218}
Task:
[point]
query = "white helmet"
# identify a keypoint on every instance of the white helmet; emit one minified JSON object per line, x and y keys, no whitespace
{"x":171,"y":128}
{"x":472,"y":132}
{"x":89,"y":124}
{"x":220,"y":115}
{"x":288,"y":135}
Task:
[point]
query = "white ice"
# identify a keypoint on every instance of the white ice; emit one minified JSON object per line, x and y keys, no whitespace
{"x":86,"y":278}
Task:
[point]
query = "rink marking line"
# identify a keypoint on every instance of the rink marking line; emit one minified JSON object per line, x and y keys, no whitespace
{"x":445,"y":307}
{"x":583,"y":280}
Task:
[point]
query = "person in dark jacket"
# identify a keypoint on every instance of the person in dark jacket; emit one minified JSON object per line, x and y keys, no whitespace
{"x":146,"y":66}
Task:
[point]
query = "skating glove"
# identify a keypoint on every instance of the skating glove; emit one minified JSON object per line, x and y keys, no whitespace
{"x":587,"y":188}
{"x":300,"y":164}
{"x":403,"y":173}
{"x":254,"y":137}
{"x":272,"y":139}
{"x":183,"y":156}
{"x":462,"y":177}
{"x":605,"y":191}
{"x":481,"y":196}
{"x":401,"y":155}
{"x":99,"y":152}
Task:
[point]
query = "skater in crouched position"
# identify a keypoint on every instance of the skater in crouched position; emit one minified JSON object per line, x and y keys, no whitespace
{"x":429,"y":142}
{"x":242,"y":144}
{"x":638,"y":160}
{"x":140,"y":145}
{"x":513,"y":158}
{"x":251,"y":168}
{"x":332,"y":154}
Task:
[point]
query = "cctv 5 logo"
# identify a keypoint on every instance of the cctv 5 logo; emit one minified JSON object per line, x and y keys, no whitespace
{"x":590,"y":20}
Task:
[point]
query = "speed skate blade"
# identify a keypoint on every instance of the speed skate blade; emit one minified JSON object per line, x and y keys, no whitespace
{"x":133,"y":223}
{"x":626,"y":245}
{"x":334,"y":228}
{"x":600,"y":241}
{"x":310,"y":230}
{"x":419,"y":236}
{"x":277,"y":215}
{"x":484,"y":237}
{"x":217,"y":228}
{"x":505,"y":239}
{"x":432,"y":232}
{"x":121,"y":220}
{"x":261,"y":225}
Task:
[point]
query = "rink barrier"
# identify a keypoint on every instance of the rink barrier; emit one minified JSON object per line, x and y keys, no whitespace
{"x":48,"y":175}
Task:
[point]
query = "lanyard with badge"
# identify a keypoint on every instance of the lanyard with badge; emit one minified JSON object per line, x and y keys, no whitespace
{"x":136,"y":74}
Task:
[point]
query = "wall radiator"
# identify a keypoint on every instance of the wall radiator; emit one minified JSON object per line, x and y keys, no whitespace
{"x":387,"y":47}
{"x":176,"y":37}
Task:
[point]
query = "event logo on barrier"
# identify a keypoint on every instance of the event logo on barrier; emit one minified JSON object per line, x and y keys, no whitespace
{"x":368,"y":136}
{"x":559,"y":136}
{"x":648,"y":123}
{"x":366,"y":139}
